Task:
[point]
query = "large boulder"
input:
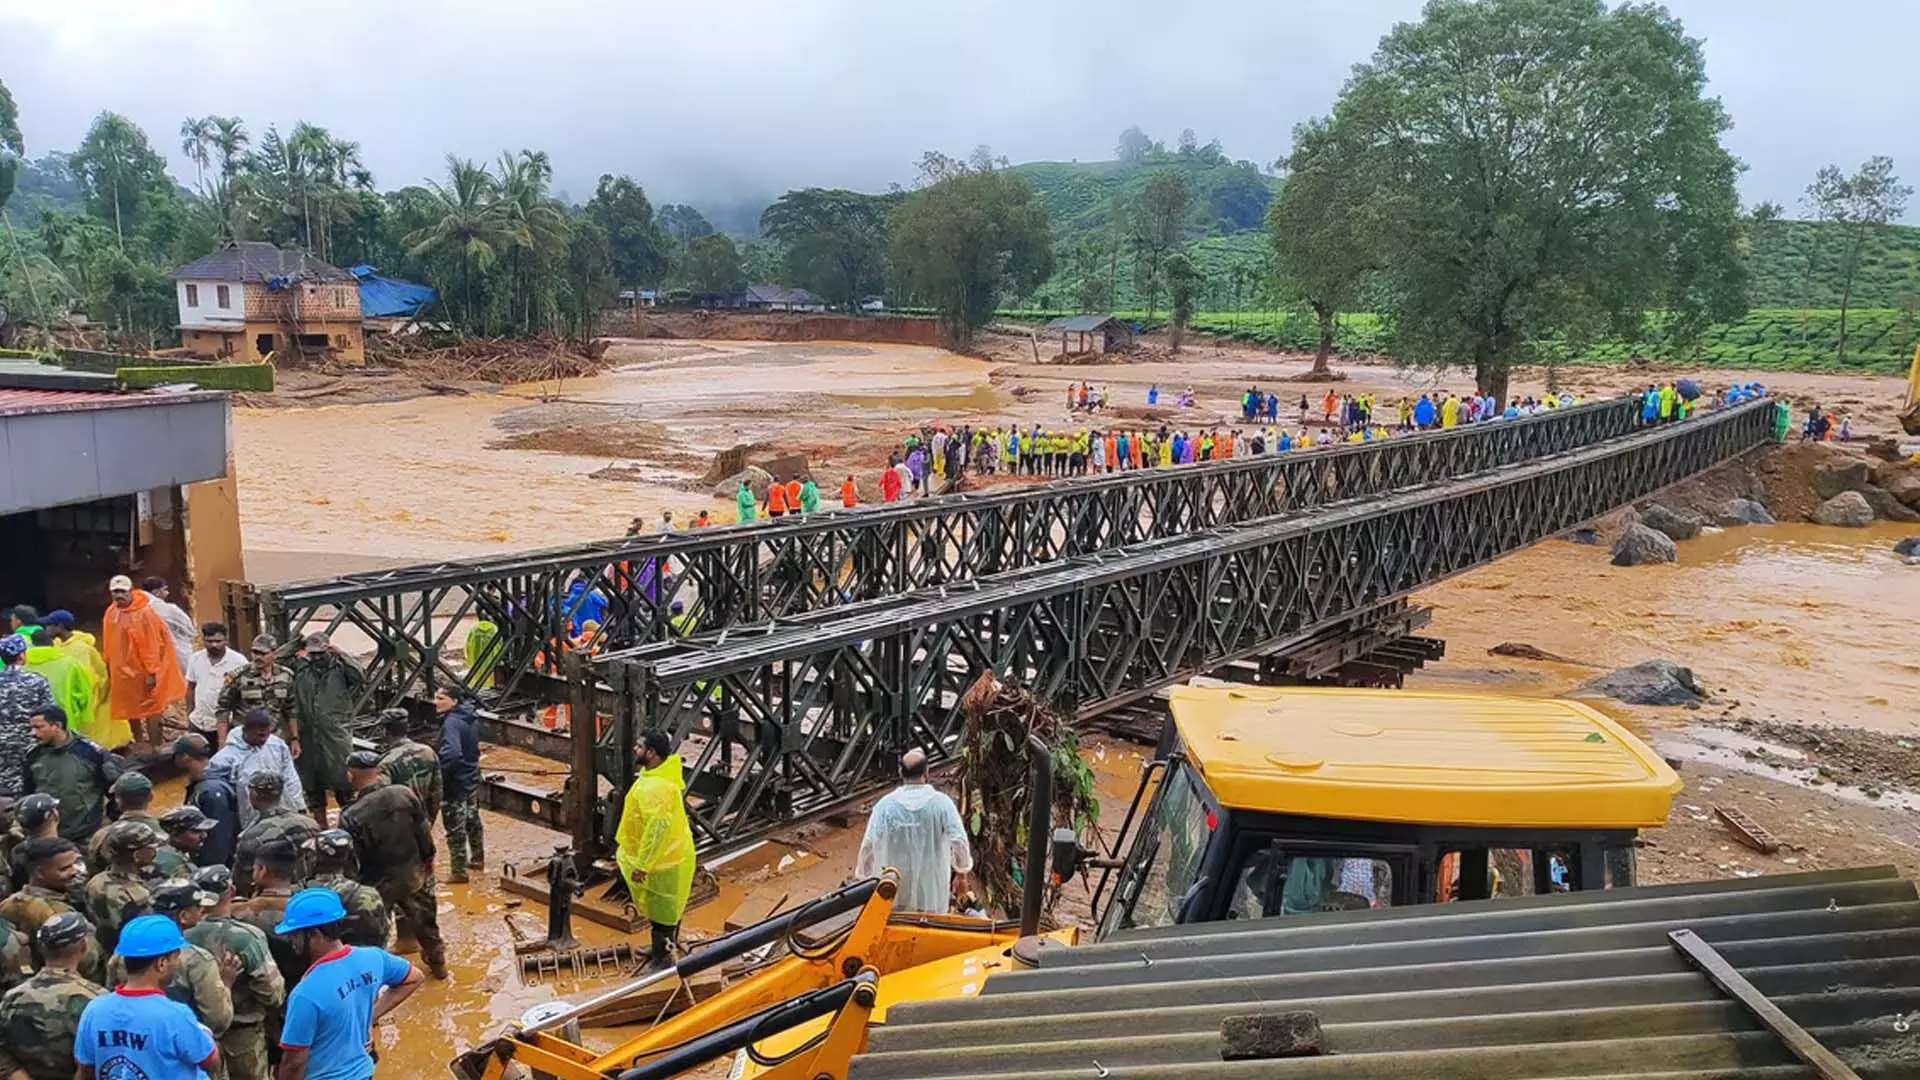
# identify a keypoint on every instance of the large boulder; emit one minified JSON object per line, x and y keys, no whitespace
{"x":1639,"y":545}
{"x":1903,"y":485}
{"x":1910,"y":547}
{"x":1741,"y":512}
{"x":1886,"y":507}
{"x":1651,"y":682}
{"x":1834,"y":477}
{"x":1678,"y":524}
{"x":1849,"y":508}
{"x":757,"y":480}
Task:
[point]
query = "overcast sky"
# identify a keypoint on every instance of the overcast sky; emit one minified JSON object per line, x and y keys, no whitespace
{"x":720,"y":101}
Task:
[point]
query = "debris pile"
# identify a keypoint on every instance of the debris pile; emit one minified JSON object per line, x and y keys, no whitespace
{"x":994,"y":771}
{"x":495,"y":360}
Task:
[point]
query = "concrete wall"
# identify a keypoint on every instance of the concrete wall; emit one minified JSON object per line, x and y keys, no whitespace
{"x":207,"y":311}
{"x":58,"y":457}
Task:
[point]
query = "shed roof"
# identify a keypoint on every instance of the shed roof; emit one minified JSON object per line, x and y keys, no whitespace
{"x":254,"y":262}
{"x":781,"y":294}
{"x":1581,"y":984}
{"x":1424,"y":757}
{"x":1081,"y":324}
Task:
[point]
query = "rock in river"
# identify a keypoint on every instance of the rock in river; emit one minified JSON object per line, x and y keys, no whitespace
{"x":1849,"y":508}
{"x":1651,"y":682}
{"x":757,"y":480}
{"x":1834,"y":477}
{"x":1678,"y":524}
{"x":1910,"y":547}
{"x":1742,"y":512}
{"x":1639,"y":545}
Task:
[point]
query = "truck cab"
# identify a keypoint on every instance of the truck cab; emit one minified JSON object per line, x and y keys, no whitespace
{"x":1274,"y":801}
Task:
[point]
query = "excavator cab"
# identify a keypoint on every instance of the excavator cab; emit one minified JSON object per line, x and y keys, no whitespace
{"x":1267,"y":802}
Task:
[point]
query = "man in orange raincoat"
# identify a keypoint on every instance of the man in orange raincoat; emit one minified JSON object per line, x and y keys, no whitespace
{"x":143,"y":673}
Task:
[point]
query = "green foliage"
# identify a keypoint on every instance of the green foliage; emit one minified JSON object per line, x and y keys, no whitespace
{"x":12,"y":146}
{"x":1182,"y":289}
{"x":119,"y":172}
{"x":639,"y":245}
{"x":1155,"y":224}
{"x":257,"y":378}
{"x":1316,"y":229}
{"x":960,"y":243}
{"x":713,"y":265}
{"x":1798,"y":264}
{"x":835,"y":242}
{"x":684,"y":224}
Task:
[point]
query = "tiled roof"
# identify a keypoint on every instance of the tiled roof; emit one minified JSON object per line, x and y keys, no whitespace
{"x":1583,"y":984}
{"x":253,"y":262}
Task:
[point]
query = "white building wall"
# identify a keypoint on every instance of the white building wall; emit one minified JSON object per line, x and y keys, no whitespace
{"x":208,"y":313}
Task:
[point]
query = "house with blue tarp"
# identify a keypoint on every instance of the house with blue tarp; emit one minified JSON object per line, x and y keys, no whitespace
{"x":386,"y":298}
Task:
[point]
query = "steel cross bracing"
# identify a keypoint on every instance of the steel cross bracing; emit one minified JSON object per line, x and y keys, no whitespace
{"x":786,"y":720}
{"x":415,"y":616}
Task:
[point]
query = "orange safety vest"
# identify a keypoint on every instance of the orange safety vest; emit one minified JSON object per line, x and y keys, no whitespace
{"x":848,"y":497}
{"x":701,"y":522}
{"x":793,"y":494}
{"x":776,"y":498}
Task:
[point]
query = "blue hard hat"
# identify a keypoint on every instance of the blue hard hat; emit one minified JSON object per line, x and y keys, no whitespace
{"x":148,"y":936}
{"x":309,"y":908}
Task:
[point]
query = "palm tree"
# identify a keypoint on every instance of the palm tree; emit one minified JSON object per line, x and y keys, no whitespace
{"x":471,"y":222}
{"x":228,"y":136}
{"x":196,"y":141}
{"x":537,"y":226}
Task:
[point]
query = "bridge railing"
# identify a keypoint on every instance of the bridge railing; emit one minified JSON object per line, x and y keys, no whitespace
{"x":801,"y":716}
{"x":745,"y":574}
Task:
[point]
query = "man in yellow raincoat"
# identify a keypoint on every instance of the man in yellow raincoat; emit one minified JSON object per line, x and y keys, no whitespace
{"x":655,"y":844}
{"x":99,"y":726}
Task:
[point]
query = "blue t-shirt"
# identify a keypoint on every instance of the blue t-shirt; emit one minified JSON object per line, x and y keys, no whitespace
{"x":141,"y":1035}
{"x":330,"y":1013}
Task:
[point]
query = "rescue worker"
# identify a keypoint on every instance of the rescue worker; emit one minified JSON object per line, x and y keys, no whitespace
{"x":273,"y":869}
{"x":809,"y":497}
{"x":39,"y":1018}
{"x":36,"y":815}
{"x":460,"y":774}
{"x":849,"y":493}
{"x":272,"y":822}
{"x":72,"y":770}
{"x":22,"y":694}
{"x":655,"y":851}
{"x":395,"y":846}
{"x":86,"y":652}
{"x":132,"y":792}
{"x":744,"y":504}
{"x":263,"y":684}
{"x":259,"y":993}
{"x":171,"y":1042}
{"x":72,"y":683}
{"x":334,"y":864}
{"x":200,"y":979}
{"x":776,"y":500}
{"x":144,"y":675}
{"x":54,"y":869}
{"x":120,"y":894}
{"x":331,"y":1013}
{"x":256,"y":749}
{"x":916,"y":829}
{"x":408,"y":763}
{"x":187,"y":830}
{"x":210,"y":791}
{"x":325,"y":689}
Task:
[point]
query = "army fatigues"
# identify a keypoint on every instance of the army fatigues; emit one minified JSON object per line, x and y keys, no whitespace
{"x":37,"y":1023}
{"x":247,"y":690}
{"x":416,"y":767}
{"x":172,"y":864}
{"x":324,"y":691}
{"x":30,"y":908}
{"x":270,"y":825}
{"x":368,"y":923}
{"x":263,"y":912}
{"x":389,"y":829}
{"x":259,"y":994}
{"x":112,"y":899}
{"x":16,"y":957}
{"x":78,"y":774}
{"x":97,"y":861}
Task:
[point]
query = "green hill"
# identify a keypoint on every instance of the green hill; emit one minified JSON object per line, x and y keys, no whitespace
{"x":1800,"y":264}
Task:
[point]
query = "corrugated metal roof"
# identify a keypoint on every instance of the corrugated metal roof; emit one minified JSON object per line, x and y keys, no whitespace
{"x":1584,"y":984}
{"x":19,"y":402}
{"x":1080,"y":324}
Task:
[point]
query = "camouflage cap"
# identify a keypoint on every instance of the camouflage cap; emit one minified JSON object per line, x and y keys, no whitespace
{"x":180,"y":896}
{"x":36,"y":809}
{"x":126,"y":836}
{"x":184,"y":818}
{"x":264,"y":643}
{"x":64,"y":929}
{"x":363,"y":759}
{"x":267,"y":783}
{"x":132,"y":782}
{"x":214,"y":879}
{"x":334,"y":843}
{"x":192,"y":746}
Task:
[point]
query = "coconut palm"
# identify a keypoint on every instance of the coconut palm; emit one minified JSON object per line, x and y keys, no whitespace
{"x":471,"y":223}
{"x":196,"y":141}
{"x":538,"y":229}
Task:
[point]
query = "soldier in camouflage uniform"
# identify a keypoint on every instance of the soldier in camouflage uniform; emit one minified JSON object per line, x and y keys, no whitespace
{"x":410,"y":764}
{"x":22,"y":694}
{"x":390,"y":833}
{"x":271,"y":822}
{"x":187,"y":830}
{"x":201,"y":980}
{"x":38,"y":1019}
{"x":121,"y":893}
{"x":38,"y":815}
{"x":133,"y":793}
{"x":263,"y":684}
{"x":53,"y":868}
{"x":272,"y":888}
{"x":368,"y":923}
{"x":259,"y":993}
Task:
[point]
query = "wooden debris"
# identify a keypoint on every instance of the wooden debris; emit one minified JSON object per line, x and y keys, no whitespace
{"x":1748,"y":831}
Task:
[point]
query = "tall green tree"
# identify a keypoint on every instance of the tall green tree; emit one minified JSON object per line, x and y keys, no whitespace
{"x":960,"y":244}
{"x":12,"y":146}
{"x":1542,"y":169}
{"x":713,"y":265}
{"x":639,"y":245}
{"x":836,"y":242}
{"x":538,"y":233}
{"x":1320,"y":256}
{"x":1861,"y":204}
{"x":117,"y":169}
{"x":469,"y":225}
{"x":1158,"y":221}
{"x":587,"y":277}
{"x":1184,"y":282}
{"x":684,"y":224}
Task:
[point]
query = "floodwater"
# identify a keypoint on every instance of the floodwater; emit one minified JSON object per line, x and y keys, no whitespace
{"x":1796,"y":623}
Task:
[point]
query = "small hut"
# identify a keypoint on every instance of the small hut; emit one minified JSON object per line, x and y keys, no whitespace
{"x":1097,"y":333}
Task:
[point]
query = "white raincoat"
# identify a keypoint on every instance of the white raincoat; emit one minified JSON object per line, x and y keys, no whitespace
{"x":916,"y":829}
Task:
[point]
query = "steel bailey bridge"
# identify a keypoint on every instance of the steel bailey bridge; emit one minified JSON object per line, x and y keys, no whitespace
{"x":734,"y":575}
{"x":801,"y":715}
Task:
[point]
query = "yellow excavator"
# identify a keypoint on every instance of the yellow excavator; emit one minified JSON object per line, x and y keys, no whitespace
{"x":1259,"y":803}
{"x":1910,"y":413}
